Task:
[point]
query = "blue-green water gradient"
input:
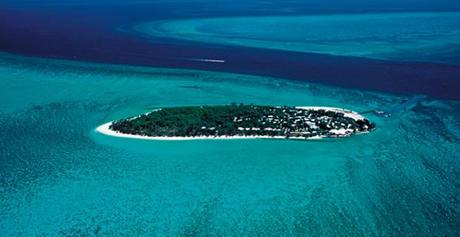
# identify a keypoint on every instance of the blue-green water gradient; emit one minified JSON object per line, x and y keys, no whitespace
{"x":60,"y":178}
{"x":424,"y":36}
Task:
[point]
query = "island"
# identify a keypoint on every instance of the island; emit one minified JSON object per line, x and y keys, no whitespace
{"x":239,"y":121}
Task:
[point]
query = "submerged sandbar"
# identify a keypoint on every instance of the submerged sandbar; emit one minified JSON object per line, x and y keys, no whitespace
{"x":370,"y":35}
{"x":240,"y":122}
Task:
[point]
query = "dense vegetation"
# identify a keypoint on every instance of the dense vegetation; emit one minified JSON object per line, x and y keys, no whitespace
{"x":247,"y":120}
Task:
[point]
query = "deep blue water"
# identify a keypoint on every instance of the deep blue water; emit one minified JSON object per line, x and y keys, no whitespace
{"x":58,"y":177}
{"x":94,"y":32}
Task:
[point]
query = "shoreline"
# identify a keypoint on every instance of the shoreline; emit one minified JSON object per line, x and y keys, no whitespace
{"x":105,"y":130}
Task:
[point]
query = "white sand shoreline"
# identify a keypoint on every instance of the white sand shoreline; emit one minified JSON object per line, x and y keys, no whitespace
{"x":105,"y":129}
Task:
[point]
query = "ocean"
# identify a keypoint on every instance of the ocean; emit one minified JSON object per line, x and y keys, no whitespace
{"x":67,"y":68}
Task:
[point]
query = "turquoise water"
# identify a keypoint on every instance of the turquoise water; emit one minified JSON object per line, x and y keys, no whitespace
{"x":429,"y":37}
{"x":59,"y":177}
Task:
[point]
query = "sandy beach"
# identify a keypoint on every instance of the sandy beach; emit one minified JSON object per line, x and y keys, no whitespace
{"x":105,"y":129}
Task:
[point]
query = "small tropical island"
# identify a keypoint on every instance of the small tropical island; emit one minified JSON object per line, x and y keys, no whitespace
{"x":239,"y":121}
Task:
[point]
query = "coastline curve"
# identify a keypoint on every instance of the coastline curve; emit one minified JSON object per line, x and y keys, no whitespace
{"x":106,"y":130}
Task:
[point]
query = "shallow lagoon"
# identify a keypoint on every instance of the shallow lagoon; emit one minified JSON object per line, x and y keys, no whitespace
{"x":426,"y":37}
{"x":59,"y":177}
